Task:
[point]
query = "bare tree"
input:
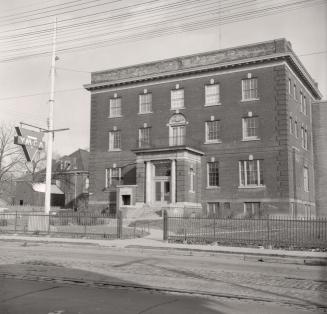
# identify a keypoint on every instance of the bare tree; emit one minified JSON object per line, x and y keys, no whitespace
{"x":35,"y":169}
{"x":10,"y":154}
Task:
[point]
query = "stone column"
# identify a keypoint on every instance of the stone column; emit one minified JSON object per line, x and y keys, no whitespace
{"x":148,"y":176}
{"x":173,"y":181}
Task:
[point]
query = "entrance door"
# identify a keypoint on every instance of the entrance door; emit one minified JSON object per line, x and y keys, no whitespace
{"x":162,"y":191}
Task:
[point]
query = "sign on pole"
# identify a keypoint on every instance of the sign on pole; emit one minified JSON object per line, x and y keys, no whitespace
{"x":31,"y":142}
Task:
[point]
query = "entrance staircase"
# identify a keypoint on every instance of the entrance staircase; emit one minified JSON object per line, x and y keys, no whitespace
{"x":141,"y":213}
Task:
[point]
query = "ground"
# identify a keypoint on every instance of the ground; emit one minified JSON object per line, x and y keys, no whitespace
{"x":222,"y":283}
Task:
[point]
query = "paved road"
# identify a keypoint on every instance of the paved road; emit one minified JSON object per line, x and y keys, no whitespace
{"x":32,"y":297}
{"x":295,"y":287}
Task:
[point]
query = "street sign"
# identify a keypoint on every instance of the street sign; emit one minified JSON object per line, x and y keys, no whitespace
{"x":31,"y":142}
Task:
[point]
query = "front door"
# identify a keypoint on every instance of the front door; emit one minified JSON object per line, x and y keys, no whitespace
{"x":162,"y":190}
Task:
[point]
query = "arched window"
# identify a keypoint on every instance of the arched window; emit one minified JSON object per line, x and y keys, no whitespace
{"x":177,"y":130}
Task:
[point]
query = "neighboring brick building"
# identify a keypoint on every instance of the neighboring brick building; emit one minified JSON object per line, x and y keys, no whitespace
{"x":228,"y":132}
{"x":319,"y":119}
{"x":69,"y":180}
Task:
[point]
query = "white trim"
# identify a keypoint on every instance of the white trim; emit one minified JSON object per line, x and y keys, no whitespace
{"x":191,"y":77}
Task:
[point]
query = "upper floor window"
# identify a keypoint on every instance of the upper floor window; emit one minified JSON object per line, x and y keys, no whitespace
{"x":289,"y":86}
{"x":296,"y":129}
{"x":144,"y":137}
{"x":304,"y":136}
{"x":192,"y":174}
{"x":294,"y":91}
{"x":291,"y":125}
{"x":249,"y":89}
{"x":114,"y":107}
{"x":213,"y":174}
{"x":113,"y":177}
{"x":305,"y":105}
{"x":251,"y":173}
{"x":177,"y":99}
{"x":114,"y":140}
{"x":212,"y":95}
{"x":145,"y":103}
{"x":212,"y":131}
{"x":306,"y":179}
{"x":250,"y":128}
{"x":301,"y":102}
{"x":177,"y":130}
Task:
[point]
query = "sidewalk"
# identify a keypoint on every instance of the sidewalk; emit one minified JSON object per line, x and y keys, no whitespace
{"x":154,"y":242}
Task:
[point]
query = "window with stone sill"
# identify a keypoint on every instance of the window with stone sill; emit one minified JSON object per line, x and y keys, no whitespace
{"x":249,"y":89}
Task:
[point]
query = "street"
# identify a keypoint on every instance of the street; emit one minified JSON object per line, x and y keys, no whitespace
{"x":54,"y":277}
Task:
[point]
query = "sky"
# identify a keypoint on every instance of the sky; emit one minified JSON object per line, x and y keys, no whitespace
{"x":25,"y":83}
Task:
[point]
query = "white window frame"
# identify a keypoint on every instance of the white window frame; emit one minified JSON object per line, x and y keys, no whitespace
{"x":254,"y":81}
{"x":109,"y":176}
{"x":145,"y":103}
{"x":177,"y":102}
{"x":216,"y":140}
{"x":242,"y":165}
{"x":289,"y":86}
{"x":112,"y":140}
{"x":192,"y":175}
{"x":177,"y":135}
{"x":145,"y":140}
{"x":208,"y":174}
{"x":291,"y":125}
{"x":245,"y":129}
{"x":301,"y":102}
{"x":305,"y":106}
{"x":212,"y":98}
{"x":306,"y":179}
{"x":294,"y":91}
{"x":115,"y":111}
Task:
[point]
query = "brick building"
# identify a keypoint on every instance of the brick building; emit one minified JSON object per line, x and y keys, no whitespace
{"x":226,"y":132}
{"x":319,"y":119}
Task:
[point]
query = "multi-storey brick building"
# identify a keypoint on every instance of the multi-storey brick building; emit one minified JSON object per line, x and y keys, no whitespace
{"x":227,"y":131}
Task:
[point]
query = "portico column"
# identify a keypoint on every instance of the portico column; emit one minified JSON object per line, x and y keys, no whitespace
{"x":148,"y":182}
{"x":173,"y":181}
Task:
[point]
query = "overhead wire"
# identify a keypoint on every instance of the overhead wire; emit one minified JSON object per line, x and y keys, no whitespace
{"x":205,"y":24}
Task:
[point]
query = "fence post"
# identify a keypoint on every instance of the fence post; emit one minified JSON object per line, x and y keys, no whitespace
{"x":119,"y":225}
{"x":16,"y":221}
{"x":268,"y":231}
{"x":214,"y":228}
{"x":49,"y":224}
{"x":165,"y":225}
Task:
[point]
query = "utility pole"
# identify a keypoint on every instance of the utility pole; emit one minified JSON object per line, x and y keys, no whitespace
{"x":50,"y":125}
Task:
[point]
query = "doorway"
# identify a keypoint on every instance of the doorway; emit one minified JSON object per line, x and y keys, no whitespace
{"x":162,"y":190}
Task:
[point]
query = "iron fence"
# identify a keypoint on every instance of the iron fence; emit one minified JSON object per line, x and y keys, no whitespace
{"x":274,"y":232}
{"x":86,"y":224}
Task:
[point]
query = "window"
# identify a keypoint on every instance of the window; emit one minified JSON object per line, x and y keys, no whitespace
{"x":212,"y":96}
{"x":249,"y":89}
{"x":213,"y":209}
{"x":251,"y":173}
{"x":294,"y":91}
{"x":115,"y":107}
{"x":113,"y":177}
{"x":304,"y":137}
{"x":250,"y":128}
{"x":291,"y":125}
{"x":301,"y":102}
{"x":145,"y":103}
{"x":144,"y":137}
{"x":114,"y":140}
{"x":306,"y":179}
{"x":192,"y":174}
{"x":305,"y":105}
{"x":212,"y":131}
{"x":177,"y":99}
{"x":252,"y":209}
{"x":289,"y":86}
{"x":213,"y":174}
{"x":177,"y":135}
{"x":296,"y":129}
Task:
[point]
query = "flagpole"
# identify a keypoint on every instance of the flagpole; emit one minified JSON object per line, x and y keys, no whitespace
{"x":47,"y":201}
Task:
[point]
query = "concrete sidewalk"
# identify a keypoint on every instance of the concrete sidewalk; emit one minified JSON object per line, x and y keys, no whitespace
{"x":154,"y":242}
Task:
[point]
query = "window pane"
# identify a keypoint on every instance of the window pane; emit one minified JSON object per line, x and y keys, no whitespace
{"x":213,"y":130}
{"x":177,"y":98}
{"x":115,"y":107}
{"x":213,"y":173}
{"x":144,"y":137}
{"x":251,"y":172}
{"x":212,"y":95}
{"x":250,"y":127}
{"x":145,"y":103}
{"x":114,"y":140}
{"x":250,"y":88}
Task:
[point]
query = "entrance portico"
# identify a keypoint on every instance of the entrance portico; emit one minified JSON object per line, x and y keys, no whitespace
{"x":163,"y":176}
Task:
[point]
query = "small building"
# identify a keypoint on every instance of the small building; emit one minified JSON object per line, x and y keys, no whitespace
{"x":33,"y":194}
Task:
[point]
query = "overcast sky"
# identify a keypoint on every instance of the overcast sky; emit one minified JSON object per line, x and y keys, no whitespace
{"x":305,"y":28}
